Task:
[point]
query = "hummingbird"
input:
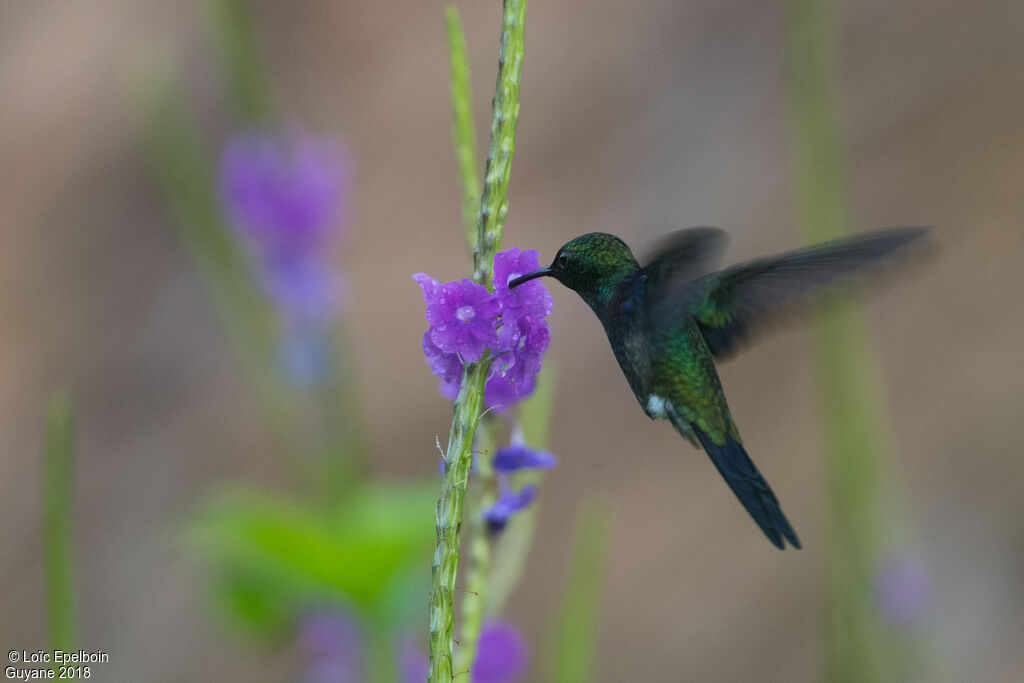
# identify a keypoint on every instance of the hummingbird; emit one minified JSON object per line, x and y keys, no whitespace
{"x":670,"y":320}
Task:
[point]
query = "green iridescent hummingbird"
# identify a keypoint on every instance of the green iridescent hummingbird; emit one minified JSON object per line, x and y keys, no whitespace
{"x":670,"y":320}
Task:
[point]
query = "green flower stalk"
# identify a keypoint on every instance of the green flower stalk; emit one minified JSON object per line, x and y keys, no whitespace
{"x":57,"y":531}
{"x":494,"y":203}
{"x":850,"y":389}
{"x":469,"y":403}
{"x":458,"y":459}
{"x":463,"y":130}
{"x":235,"y":36}
{"x":574,"y":643}
{"x":474,"y":604}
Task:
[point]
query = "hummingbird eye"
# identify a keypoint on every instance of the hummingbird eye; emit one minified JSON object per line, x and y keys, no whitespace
{"x":563,"y":259}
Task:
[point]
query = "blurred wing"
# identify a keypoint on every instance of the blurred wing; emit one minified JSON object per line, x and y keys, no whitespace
{"x":729,"y":305}
{"x":684,"y":256}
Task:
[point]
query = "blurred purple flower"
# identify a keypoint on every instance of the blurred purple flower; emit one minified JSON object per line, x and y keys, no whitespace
{"x":502,"y":656}
{"x":903,"y":590}
{"x":333,"y":647}
{"x":413,"y":663}
{"x":303,"y":287}
{"x":509,"y":503}
{"x":520,"y":457}
{"x":286,"y":192}
{"x":502,"y":653}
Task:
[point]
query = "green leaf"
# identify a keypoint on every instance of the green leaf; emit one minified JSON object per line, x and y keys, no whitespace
{"x":272,"y":557}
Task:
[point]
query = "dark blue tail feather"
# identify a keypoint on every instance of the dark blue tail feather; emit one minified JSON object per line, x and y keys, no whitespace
{"x":750,"y":487}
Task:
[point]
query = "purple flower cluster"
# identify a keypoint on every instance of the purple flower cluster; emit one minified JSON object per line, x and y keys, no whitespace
{"x":285,"y":195}
{"x":466,"y":320}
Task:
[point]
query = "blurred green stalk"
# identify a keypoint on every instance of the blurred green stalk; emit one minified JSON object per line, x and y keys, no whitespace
{"x":235,"y":36}
{"x":574,"y":643}
{"x":468,"y":405}
{"x":57,"y":516}
{"x":851,"y":395}
{"x":474,"y":603}
{"x":513,"y":549}
{"x":185,"y":173}
{"x":463,"y":130}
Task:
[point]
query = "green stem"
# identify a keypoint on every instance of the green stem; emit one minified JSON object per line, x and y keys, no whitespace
{"x":468,"y":405}
{"x":463,"y":130}
{"x":235,"y":36}
{"x":494,"y":203}
{"x":474,"y":605}
{"x":573,"y":646}
{"x":57,"y":532}
{"x":458,"y":461}
{"x":851,"y":395}
{"x":514,"y":547}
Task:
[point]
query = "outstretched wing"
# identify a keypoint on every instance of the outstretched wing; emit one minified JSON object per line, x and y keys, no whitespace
{"x":684,"y":256}
{"x":730,"y":304}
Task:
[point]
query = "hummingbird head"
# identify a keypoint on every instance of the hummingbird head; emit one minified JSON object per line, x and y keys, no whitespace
{"x":591,"y":265}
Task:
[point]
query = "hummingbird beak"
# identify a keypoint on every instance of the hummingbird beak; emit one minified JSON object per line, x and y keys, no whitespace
{"x":529,"y":276}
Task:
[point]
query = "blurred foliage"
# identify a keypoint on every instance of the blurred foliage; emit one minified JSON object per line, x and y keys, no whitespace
{"x":272,"y":558}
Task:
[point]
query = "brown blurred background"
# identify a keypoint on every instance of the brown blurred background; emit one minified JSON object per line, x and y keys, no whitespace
{"x":637,"y":118}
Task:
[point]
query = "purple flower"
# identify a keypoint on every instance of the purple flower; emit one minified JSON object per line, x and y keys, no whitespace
{"x":903,"y":590}
{"x":502,"y":656}
{"x":466,"y":320}
{"x":461,"y":315}
{"x":283,"y":191}
{"x":502,"y":653}
{"x":525,"y":356}
{"x":530,"y":298}
{"x":333,"y":646}
{"x":519,"y":457}
{"x":501,"y":391}
{"x":508,"y":503}
{"x":447,"y":366}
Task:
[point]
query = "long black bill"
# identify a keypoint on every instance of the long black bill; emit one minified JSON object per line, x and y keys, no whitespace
{"x":529,"y":276}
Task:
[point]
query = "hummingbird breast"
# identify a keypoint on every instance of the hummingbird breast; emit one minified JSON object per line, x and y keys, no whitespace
{"x":627,"y":332}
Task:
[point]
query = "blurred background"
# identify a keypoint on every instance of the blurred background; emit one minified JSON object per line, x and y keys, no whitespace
{"x":637,"y":119}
